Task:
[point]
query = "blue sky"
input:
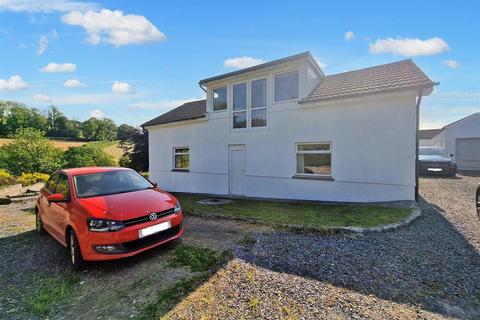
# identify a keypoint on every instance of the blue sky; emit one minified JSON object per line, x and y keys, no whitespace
{"x":147,"y":58}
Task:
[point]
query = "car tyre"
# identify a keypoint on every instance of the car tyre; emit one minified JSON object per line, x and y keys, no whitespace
{"x":75,"y":254}
{"x":38,"y":222}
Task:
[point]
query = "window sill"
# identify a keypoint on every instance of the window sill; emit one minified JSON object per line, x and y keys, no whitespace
{"x":312,"y":177}
{"x":180,"y":170}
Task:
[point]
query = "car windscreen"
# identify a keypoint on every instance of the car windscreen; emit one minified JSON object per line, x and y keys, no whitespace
{"x":432,"y":152}
{"x":109,"y":182}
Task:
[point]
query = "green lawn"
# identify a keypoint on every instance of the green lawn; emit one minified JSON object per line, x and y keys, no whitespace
{"x":306,"y":214}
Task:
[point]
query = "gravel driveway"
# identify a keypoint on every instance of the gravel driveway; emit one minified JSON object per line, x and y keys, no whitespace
{"x":429,"y":269}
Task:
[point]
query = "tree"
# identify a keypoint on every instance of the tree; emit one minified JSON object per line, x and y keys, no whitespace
{"x":14,"y":115}
{"x":52,"y":115}
{"x":30,"y":152}
{"x":135,"y":151}
{"x":85,"y":156}
{"x":125,"y":132}
{"x":98,"y":130}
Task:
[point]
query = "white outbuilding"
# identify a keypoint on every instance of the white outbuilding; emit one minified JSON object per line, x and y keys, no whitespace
{"x":461,"y":139}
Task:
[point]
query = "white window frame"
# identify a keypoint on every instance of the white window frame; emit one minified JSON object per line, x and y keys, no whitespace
{"x":247,"y":103}
{"x":175,"y":153}
{"x":213,"y":98}
{"x":249,"y":108}
{"x":330,"y":151}
{"x":259,"y":108}
{"x":275,"y":87}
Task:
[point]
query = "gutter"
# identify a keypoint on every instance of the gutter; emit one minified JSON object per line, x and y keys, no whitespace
{"x":417,"y":141}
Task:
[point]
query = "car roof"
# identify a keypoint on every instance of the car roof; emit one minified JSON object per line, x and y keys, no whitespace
{"x":87,"y":170}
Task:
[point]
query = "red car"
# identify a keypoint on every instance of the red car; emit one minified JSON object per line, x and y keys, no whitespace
{"x":106,"y":213}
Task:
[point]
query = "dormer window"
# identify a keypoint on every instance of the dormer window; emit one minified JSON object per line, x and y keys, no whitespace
{"x":220,"y":99}
{"x":286,"y":86}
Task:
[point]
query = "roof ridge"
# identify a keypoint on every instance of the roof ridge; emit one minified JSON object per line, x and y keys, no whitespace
{"x":373,"y":67}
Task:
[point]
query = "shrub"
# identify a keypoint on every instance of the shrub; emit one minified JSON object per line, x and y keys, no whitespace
{"x":6,"y":178}
{"x":30,"y":152}
{"x":86,"y":156}
{"x":27,"y":179}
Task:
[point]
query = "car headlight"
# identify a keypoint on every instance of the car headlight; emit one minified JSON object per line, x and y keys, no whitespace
{"x":104,"y":225}
{"x":177,"y":208}
{"x":453,"y":163}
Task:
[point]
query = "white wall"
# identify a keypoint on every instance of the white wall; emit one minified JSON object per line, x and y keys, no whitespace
{"x":467,"y":128}
{"x":426,"y":143}
{"x":373,"y":153}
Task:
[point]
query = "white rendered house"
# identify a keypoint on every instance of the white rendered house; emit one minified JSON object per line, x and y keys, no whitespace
{"x":285,"y":130}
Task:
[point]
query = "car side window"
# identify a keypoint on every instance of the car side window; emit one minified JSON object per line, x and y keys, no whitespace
{"x":63,"y":187}
{"x":52,"y":183}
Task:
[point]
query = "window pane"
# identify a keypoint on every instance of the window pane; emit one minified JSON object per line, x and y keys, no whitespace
{"x":239,"y":120}
{"x":240,"y":96}
{"x":182,"y":161}
{"x":314,"y":163}
{"x":259,"y":93}
{"x":259,"y":118}
{"x":181,"y":150}
{"x":286,"y":86}
{"x":220,"y":98}
{"x":62,"y":186}
{"x":313,"y":147}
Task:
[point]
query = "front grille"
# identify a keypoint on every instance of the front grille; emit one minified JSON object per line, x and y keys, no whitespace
{"x":146,"y":218}
{"x":150,"y":240}
{"x":432,"y":164}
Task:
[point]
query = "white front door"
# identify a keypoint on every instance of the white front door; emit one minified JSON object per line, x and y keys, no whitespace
{"x":237,"y":169}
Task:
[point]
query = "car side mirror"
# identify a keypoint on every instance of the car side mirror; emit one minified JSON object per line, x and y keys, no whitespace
{"x":56,"y":197}
{"x":451,"y":155}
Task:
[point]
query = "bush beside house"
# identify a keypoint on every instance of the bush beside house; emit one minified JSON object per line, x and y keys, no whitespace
{"x":31,"y":157}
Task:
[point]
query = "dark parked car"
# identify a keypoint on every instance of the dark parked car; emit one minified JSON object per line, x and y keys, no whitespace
{"x":435,"y":160}
{"x":478,"y":200}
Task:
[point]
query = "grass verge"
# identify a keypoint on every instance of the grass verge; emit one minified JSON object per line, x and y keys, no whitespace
{"x":195,"y":258}
{"x":170,"y":296}
{"x":53,"y":291}
{"x":305,"y":214}
{"x":202,"y":260}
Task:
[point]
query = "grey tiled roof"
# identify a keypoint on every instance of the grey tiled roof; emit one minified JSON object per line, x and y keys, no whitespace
{"x":187,"y":111}
{"x":388,"y":77}
{"x":428,"y":133}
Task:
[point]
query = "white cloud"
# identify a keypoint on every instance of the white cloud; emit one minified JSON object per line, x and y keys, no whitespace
{"x":323,"y":65}
{"x":42,"y":97}
{"x":13,"y":83}
{"x":242,"y":62}
{"x":409,"y":47}
{"x":42,"y":44}
{"x":451,"y":64}
{"x":59,"y":67}
{"x":113,"y":27}
{"x":122,"y":88}
{"x":99,"y":114}
{"x":45,"y":6}
{"x":45,"y":40}
{"x":349,"y":35}
{"x":160,"y":105}
{"x":74,"y":83}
